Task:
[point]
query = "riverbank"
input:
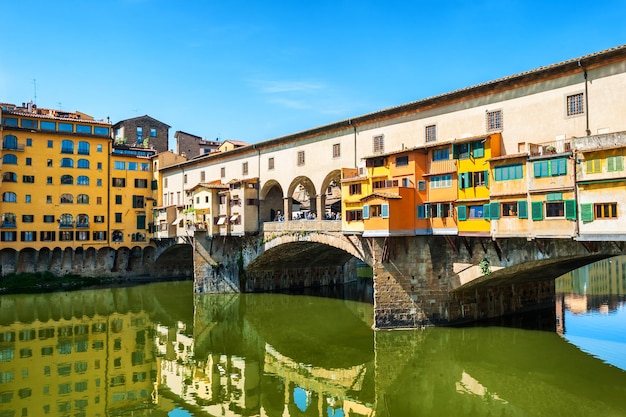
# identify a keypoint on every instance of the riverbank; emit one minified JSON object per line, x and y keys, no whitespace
{"x":32,"y":283}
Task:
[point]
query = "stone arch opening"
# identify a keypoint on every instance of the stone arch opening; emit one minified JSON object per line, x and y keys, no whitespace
{"x":271,"y":203}
{"x":175,"y":262}
{"x":330,"y":195}
{"x":301,"y":199}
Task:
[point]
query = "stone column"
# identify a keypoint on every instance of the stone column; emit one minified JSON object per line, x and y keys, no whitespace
{"x":287,"y":208}
{"x":320,"y":206}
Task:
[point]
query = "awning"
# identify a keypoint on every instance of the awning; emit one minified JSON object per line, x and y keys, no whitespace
{"x":234,"y":217}
{"x":221,"y":220}
{"x":177,"y":221}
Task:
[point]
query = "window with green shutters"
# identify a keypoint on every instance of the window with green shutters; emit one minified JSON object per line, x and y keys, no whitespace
{"x":462,"y":213}
{"x":522,"y":209}
{"x":551,"y":168}
{"x":586,"y":212}
{"x":594,"y":166}
{"x":537,"y":210}
{"x":141,"y":222}
{"x":478,"y":149}
{"x":487,"y":211}
{"x":465,"y":180}
{"x":508,"y":172}
{"x":615,"y":163}
{"x":421,"y":211}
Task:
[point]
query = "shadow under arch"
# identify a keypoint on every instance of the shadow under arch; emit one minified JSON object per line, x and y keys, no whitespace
{"x":175,"y":261}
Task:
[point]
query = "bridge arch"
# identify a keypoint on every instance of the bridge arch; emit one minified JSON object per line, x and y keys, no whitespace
{"x":302,"y":189}
{"x":272,"y":197}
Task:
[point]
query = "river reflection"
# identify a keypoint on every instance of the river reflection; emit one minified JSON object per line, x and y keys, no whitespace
{"x":158,"y":350}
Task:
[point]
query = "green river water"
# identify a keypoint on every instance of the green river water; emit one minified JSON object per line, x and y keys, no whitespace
{"x":160,"y":350}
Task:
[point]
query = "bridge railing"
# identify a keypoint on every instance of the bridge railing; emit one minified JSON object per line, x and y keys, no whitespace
{"x":303,"y":226}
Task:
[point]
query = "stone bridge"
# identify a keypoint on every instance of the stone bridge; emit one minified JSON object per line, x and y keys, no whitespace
{"x":418,"y":281}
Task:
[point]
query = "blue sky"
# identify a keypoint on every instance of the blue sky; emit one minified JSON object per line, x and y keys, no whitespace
{"x":257,"y":70}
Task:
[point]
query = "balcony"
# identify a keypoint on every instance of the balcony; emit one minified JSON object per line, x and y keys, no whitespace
{"x":550,"y":148}
{"x":12,"y":147}
{"x":447,"y":166}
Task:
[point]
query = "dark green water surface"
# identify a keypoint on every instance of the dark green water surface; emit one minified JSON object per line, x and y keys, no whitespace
{"x":158,"y":350}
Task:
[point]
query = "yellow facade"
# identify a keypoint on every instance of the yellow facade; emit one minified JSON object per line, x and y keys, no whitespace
{"x":132,"y":198}
{"x":473,"y":155}
{"x":54,"y":179}
{"x":354,"y":186}
{"x":441,"y":178}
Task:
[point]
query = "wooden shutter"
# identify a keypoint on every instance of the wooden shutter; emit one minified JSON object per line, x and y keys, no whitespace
{"x":586,"y":212}
{"x":462,"y":213}
{"x":537,"y":210}
{"x":522,"y":209}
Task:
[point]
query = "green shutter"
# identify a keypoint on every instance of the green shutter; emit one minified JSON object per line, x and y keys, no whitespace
{"x":522,"y":209}
{"x":487,"y":178}
{"x":558,"y":167}
{"x":570,"y":209}
{"x":478,"y":149}
{"x":421,"y":211}
{"x":494,"y":211}
{"x":486,"y":211}
{"x":455,"y":152}
{"x":462,"y":213}
{"x":384,"y":211}
{"x":554,"y":197}
{"x":586,"y":212}
{"x":537,"y":210}
{"x":141,"y":222}
{"x":366,"y":212}
{"x":619,"y":163}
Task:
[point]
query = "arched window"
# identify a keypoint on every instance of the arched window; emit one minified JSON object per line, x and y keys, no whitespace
{"x":67,"y":163}
{"x":9,"y":177}
{"x":83,"y":163}
{"x":82,"y":180}
{"x":67,"y":180}
{"x":82,"y":220}
{"x":67,"y":146}
{"x":67,"y":199}
{"x":117,"y":236}
{"x":9,"y":142}
{"x":8,"y":219}
{"x":9,"y":159}
{"x":82,"y":199}
{"x":83,"y":148}
{"x":66,"y":220}
{"x":9,"y":197}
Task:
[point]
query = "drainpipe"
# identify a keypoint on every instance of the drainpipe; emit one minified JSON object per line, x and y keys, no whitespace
{"x":587,"y":131}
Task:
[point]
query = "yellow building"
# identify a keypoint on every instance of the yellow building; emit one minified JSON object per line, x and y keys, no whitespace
{"x":354,"y":186}
{"x":473,"y":156}
{"x":133,"y":195}
{"x":54,"y":178}
{"x":441,"y":177}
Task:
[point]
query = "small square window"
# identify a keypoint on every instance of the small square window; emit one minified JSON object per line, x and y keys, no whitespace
{"x":49,"y":144}
{"x":153,"y":132}
{"x":300,"y":158}
{"x":99,"y":148}
{"x":378,"y":144}
{"x":49,"y":163}
{"x":270,"y":163}
{"x":336,"y":150}
{"x":244,"y":168}
{"x":29,"y":142}
{"x":575,"y":104}
{"x":29,"y":161}
{"x":49,"y":180}
{"x":494,"y":120}
{"x":27,"y":198}
{"x":430,"y":133}
{"x":223,"y":172}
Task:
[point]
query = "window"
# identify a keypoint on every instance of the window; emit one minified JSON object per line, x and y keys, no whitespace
{"x":354,"y":215}
{"x":67,"y":146}
{"x":82,"y":199}
{"x":222,"y":172}
{"x":9,"y":159}
{"x":139,"y":134}
{"x":118,"y":199}
{"x":575,"y":104}
{"x":605,"y":210}
{"x":27,"y":198}
{"x":378,"y":145}
{"x":355,"y":189}
{"x":99,"y":147}
{"x":300,"y":158}
{"x":99,"y":130}
{"x":465,"y":180}
{"x":9,"y":197}
{"x":67,"y":199}
{"x":478,"y":149}
{"x":8,"y":236}
{"x":141,"y":183}
{"x":29,"y":161}
{"x":66,"y":220}
{"x":10,"y":177}
{"x":48,"y":218}
{"x":83,"y":148}
{"x":494,"y":120}
{"x":270,"y":163}
{"x":551,"y":168}
{"x":461,"y":151}
{"x":441,"y":181}
{"x":119,"y":182}
{"x":9,"y":142}
{"x":99,"y":200}
{"x":430,"y":133}
{"x":99,"y":235}
{"x":49,"y":163}
{"x":480,"y":178}
{"x":509,"y":209}
{"x":67,"y":180}
{"x":47,"y":237}
{"x":83,"y":129}
{"x":421,"y":185}
{"x":28,"y":218}
{"x":118,"y":217}
{"x":98,"y":219}
{"x":45,"y":125}
{"x":476,"y":212}
{"x":67,"y":163}
{"x":153,"y":132}
{"x":29,"y":124}
{"x":49,"y":180}
{"x":50,"y":144}
{"x":29,"y":236}
{"x":244,"y":168}
{"x":441,"y":154}
{"x":508,"y":172}
{"x":138,"y":201}
{"x":593,"y":166}
{"x":615,"y":163}
{"x":144,"y":166}
{"x":555,"y":209}
{"x":336,"y":150}
{"x":99,"y":182}
{"x":29,"y":142}
{"x":132,"y":166}
{"x":402,"y":161}
{"x":83,"y":164}
{"x":119,"y":165}
{"x":185,"y":179}
{"x":202,"y":176}
{"x":82,"y":180}
{"x":9,"y":121}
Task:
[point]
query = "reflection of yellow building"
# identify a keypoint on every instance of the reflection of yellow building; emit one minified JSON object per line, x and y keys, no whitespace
{"x":77,"y":366}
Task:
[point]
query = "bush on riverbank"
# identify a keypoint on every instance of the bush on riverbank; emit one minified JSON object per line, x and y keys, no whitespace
{"x":46,"y":281}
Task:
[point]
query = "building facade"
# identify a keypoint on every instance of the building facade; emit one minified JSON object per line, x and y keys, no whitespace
{"x":142,"y":131}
